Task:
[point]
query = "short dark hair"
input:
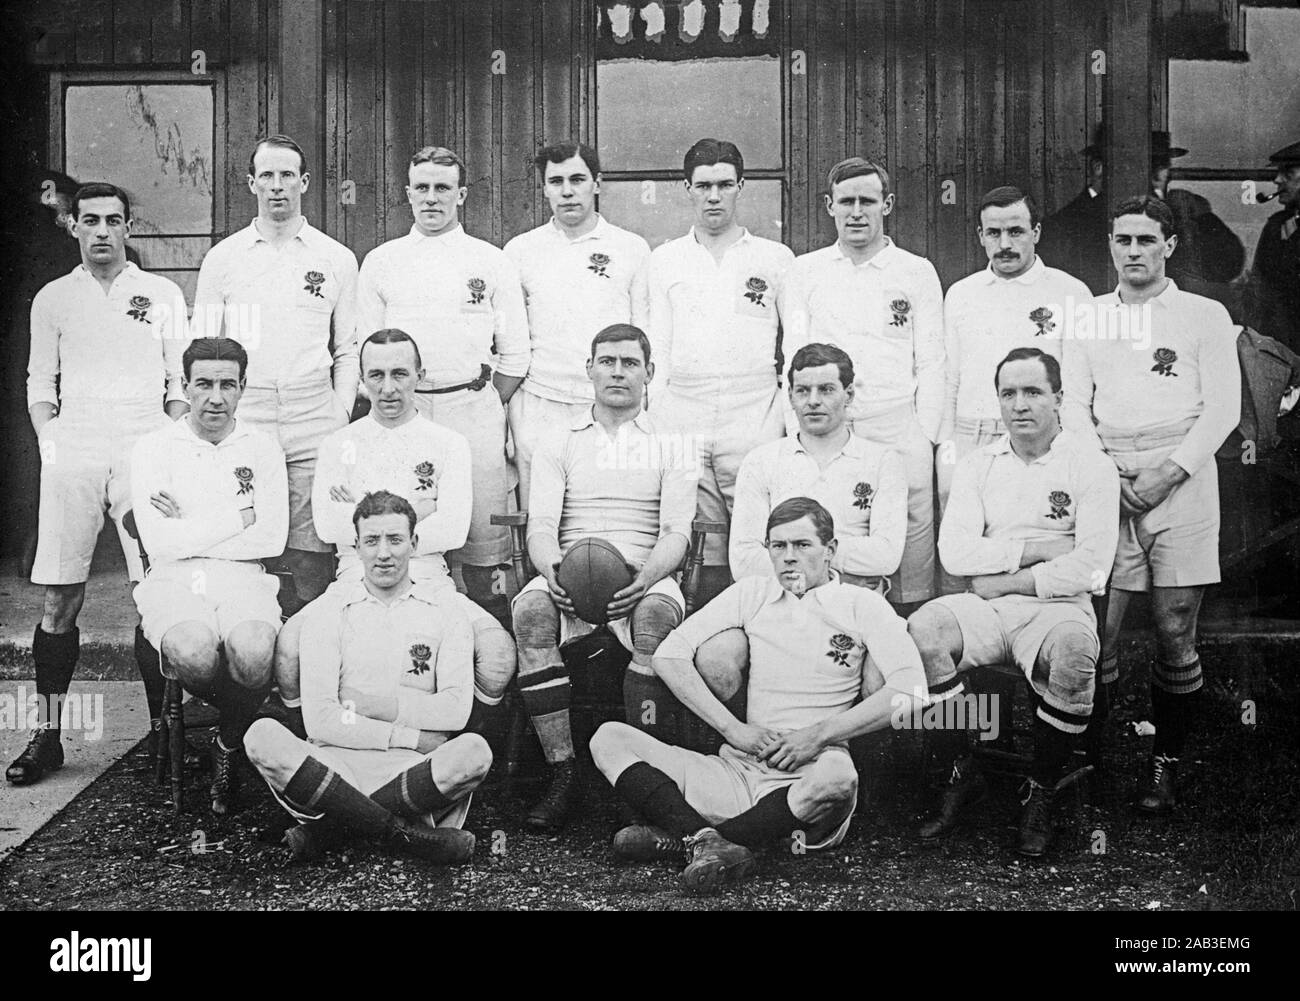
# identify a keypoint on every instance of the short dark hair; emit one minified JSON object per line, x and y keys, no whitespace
{"x":856,"y":166}
{"x":707,"y":152}
{"x":803,"y":507}
{"x":1050,"y":363}
{"x":622,"y":332}
{"x":1006,"y":195}
{"x":815,"y":355}
{"x":101,"y":189}
{"x":1149,"y":206}
{"x":382,"y":502}
{"x":214,"y":349}
{"x":443,"y":157}
{"x":559,"y":152}
{"x":278,"y":142}
{"x":390,"y":335}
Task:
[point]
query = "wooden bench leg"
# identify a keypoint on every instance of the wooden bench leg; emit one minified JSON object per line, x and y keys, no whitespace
{"x":174,"y":726}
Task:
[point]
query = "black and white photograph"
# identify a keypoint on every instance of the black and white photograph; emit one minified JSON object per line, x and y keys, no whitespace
{"x":643,"y":455}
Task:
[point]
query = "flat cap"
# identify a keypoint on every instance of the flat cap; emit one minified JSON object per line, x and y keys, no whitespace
{"x":1287,"y":155}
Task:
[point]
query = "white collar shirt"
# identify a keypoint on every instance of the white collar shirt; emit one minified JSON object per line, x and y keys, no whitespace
{"x":211,"y":483}
{"x":456,"y":295}
{"x":420,"y":460}
{"x":1140,"y":368}
{"x":117,"y":348}
{"x":886,"y":313}
{"x":807,"y":656}
{"x":985,"y":316}
{"x":573,"y":289}
{"x":285,"y":305}
{"x":999,"y":502}
{"x":864,"y":488}
{"x":710,"y":319}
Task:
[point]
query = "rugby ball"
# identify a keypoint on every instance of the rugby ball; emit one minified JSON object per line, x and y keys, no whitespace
{"x":591,"y":573}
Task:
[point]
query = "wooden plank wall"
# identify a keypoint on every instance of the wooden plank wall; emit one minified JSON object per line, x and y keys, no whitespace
{"x":957,"y":96}
{"x":236,"y":37}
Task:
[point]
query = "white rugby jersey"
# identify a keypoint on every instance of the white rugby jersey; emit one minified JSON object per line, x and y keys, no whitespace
{"x":985,"y":316}
{"x":282,"y":304}
{"x":574,"y":289}
{"x":456,"y":295}
{"x":886,"y":314}
{"x":864,"y":488}
{"x":999,"y":502}
{"x":123,"y":346}
{"x":418,"y":651}
{"x":211,"y":483}
{"x":417,"y":459}
{"x":806,"y":655}
{"x":711,"y":319}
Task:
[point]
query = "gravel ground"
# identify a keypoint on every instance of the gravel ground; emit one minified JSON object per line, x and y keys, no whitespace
{"x":1234,"y":844}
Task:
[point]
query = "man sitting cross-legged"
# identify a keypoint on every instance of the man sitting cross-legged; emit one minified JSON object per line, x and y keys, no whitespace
{"x":786,"y":770}
{"x":393,"y":448}
{"x":387,"y":678}
{"x":1032,"y":519}
{"x":612,"y":476}
{"x":211,"y":497}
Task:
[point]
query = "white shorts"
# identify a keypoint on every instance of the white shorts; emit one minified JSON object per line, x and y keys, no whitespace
{"x":573,"y":628}
{"x":369,"y":770}
{"x":85,"y":471}
{"x":531,"y":418}
{"x":219,"y":593}
{"x":724,"y":785}
{"x":1176,"y":543}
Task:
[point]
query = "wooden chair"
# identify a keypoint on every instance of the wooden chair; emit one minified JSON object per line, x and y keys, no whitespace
{"x":169,"y":753}
{"x":517,"y":523}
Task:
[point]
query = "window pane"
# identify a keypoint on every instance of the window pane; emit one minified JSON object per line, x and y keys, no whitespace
{"x":641,"y":128}
{"x":661,"y":210}
{"x":152,"y":140}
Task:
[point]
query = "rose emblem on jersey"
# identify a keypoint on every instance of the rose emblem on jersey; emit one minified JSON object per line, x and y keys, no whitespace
{"x":420,"y":655}
{"x":1165,"y":358}
{"x":424,"y":473}
{"x":1060,"y":502}
{"x":140,"y":308}
{"x":245,"y":477}
{"x":841,"y":644}
{"x":755,"y":289}
{"x":1043,"y":317}
{"x":863,"y":495}
{"x":314,"y":280}
{"x":476,"y":286}
{"x":900,"y":308}
{"x":599,"y":262}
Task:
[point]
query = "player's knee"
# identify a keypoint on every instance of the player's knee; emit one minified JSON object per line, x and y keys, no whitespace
{"x":250,"y":652}
{"x":266,"y":743}
{"x":609,"y":741}
{"x":537,"y":620}
{"x":721,"y":661}
{"x":1071,"y":648}
{"x":287,"y":646}
{"x":930,"y":628}
{"x":833,"y":779}
{"x":655,"y":616}
{"x":192,"y":650}
{"x":62,"y":603}
{"x":473,"y":759}
{"x":494,"y":658}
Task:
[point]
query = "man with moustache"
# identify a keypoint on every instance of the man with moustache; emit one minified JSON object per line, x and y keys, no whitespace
{"x":1017,"y":301}
{"x":715,"y":327}
{"x":884,"y":307}
{"x":105,"y":363}
{"x":287,"y":291}
{"x":1160,"y":407}
{"x":580,"y":273}
{"x":459,"y":298}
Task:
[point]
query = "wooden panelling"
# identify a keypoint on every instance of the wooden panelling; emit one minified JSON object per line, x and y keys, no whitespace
{"x":169,"y":23}
{"x":94,"y":31}
{"x":404,"y":114}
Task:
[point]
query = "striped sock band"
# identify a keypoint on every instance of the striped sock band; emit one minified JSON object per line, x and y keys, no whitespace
{"x":1177,"y":679}
{"x":412,"y":794}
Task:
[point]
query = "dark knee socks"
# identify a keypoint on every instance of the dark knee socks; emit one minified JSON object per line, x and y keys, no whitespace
{"x":314,"y":788}
{"x":655,"y":796}
{"x":1051,"y":752}
{"x":763,"y":823}
{"x":149,"y":665}
{"x":55,"y":657}
{"x":237,"y":705}
{"x":650,"y":706}
{"x":412,"y":794}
